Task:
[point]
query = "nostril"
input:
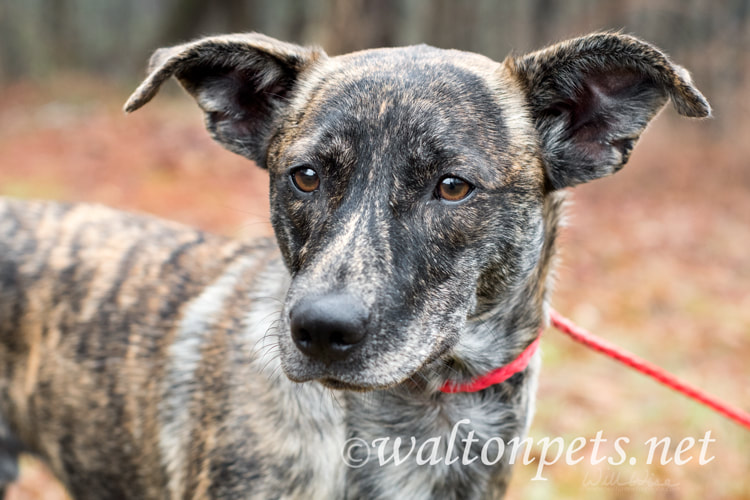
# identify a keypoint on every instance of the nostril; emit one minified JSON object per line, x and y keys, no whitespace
{"x":299,"y":333}
{"x":302,"y":336}
{"x":346,"y":338}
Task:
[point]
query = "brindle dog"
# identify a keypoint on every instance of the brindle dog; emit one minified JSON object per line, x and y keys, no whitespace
{"x":415,"y":195}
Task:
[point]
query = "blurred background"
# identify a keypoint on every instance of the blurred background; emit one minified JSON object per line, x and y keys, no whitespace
{"x":655,"y":259}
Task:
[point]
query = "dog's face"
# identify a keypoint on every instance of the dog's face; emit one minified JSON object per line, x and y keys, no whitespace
{"x":394,"y":186}
{"x":408,"y":185}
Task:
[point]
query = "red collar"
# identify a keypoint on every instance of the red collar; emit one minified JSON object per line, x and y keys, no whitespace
{"x":495,"y":376}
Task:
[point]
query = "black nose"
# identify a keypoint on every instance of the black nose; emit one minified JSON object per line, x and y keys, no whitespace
{"x":327,"y":327}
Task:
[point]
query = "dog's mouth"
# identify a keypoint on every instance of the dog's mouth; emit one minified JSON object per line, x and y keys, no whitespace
{"x":346,"y":381}
{"x":333,"y":383}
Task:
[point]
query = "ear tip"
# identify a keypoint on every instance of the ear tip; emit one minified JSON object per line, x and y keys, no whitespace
{"x":160,"y":68}
{"x":688,"y":101}
{"x":693,"y":105}
{"x":141,"y":96}
{"x":700,"y":112}
{"x":704,"y":110}
{"x":130,"y":106}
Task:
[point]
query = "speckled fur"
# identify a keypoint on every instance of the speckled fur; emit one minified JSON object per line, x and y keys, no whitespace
{"x":143,"y":359}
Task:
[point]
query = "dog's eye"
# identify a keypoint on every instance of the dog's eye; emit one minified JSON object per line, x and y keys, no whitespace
{"x":453,"y":189}
{"x":305,"y":179}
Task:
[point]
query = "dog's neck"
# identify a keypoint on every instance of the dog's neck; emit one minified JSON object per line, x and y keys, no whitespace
{"x":498,"y":375}
{"x":424,"y":418}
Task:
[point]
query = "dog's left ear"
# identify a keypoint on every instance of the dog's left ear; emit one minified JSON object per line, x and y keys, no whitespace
{"x":242,"y":82}
{"x":591,"y":98}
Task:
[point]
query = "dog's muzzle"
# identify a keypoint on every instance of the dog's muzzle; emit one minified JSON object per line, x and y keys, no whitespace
{"x":327,"y":328}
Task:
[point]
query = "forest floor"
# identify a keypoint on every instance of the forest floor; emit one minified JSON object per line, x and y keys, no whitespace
{"x":655,"y":259}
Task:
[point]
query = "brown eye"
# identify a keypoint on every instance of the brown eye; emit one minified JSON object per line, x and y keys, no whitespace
{"x":305,"y":179}
{"x":453,"y":189}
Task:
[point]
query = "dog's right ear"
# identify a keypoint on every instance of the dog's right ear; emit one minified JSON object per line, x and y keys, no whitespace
{"x":241,"y":82}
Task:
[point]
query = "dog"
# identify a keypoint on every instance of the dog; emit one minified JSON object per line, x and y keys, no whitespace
{"x":416,"y":195}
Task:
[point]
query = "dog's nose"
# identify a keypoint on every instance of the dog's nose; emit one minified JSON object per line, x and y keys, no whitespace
{"x":328,"y":327}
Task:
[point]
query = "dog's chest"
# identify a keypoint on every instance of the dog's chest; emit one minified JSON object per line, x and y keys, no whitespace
{"x":268,"y":435}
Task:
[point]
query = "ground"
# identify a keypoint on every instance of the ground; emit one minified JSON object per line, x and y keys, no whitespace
{"x":654,"y":259}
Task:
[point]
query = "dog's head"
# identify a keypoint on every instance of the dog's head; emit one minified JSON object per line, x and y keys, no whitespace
{"x":409,"y":185}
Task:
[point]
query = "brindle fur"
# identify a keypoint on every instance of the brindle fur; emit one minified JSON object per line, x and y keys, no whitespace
{"x":143,"y":359}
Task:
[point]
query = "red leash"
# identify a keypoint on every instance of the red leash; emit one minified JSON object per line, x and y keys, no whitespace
{"x":588,"y":339}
